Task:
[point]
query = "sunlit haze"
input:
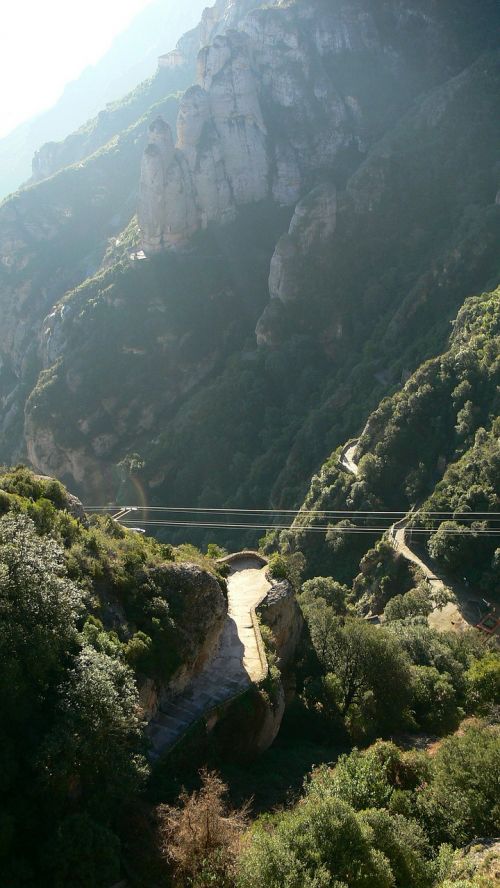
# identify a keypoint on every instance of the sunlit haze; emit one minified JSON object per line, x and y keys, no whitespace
{"x":45,"y":45}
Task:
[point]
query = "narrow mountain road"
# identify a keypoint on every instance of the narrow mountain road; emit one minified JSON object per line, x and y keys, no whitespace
{"x":451,"y":616}
{"x":238,"y":662}
{"x":442,"y":619}
{"x":347,"y":457}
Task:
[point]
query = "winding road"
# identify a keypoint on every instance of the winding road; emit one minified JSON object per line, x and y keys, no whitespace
{"x":442,"y":619}
{"x":347,"y":456}
{"x":238,"y":662}
{"x":451,"y":616}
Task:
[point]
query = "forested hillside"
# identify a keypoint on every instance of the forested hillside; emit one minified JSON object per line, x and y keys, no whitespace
{"x":91,"y":614}
{"x":434,"y":445}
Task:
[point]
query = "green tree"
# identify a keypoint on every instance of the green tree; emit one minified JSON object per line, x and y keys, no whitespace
{"x":462,"y":799}
{"x":483,"y":681}
{"x":369,"y":670}
{"x":369,"y":778}
{"x":328,"y":589}
{"x":405,"y":845}
{"x":38,"y":611}
{"x":98,"y":703}
{"x":434,"y":699}
{"x":415,"y":603}
{"x":319,"y":843}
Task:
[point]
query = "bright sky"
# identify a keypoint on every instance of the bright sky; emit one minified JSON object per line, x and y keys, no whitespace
{"x":46,"y":43}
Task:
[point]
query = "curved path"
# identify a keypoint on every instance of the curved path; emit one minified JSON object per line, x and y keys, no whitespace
{"x":238,"y":662}
{"x":451,"y":616}
{"x":347,"y":456}
{"x":442,"y":619}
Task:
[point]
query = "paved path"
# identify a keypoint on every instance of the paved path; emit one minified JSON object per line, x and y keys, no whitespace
{"x":238,"y":662}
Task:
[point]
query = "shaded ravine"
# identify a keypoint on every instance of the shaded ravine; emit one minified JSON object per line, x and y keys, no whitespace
{"x":238,"y":662}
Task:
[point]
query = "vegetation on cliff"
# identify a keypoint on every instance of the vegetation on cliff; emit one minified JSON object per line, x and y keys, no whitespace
{"x":87,"y":611}
{"x":432,"y":444}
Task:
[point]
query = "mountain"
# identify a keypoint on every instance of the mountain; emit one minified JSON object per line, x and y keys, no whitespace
{"x":309,"y":235}
{"x":132,"y":57}
{"x":262,"y":286}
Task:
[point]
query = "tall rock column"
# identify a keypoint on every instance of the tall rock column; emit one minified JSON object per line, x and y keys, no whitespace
{"x":225,"y":72}
{"x":168,"y":215}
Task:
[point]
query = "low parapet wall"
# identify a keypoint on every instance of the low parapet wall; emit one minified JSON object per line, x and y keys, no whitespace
{"x":240,"y":556}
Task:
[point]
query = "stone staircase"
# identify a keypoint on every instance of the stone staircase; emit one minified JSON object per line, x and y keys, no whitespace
{"x":238,"y":662}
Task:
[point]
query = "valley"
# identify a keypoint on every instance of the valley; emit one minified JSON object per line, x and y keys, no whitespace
{"x":250,"y":457}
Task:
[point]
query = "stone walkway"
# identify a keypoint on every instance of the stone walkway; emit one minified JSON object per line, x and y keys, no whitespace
{"x":238,"y":662}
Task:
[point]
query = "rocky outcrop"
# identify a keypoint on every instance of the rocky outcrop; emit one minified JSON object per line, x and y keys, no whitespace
{"x":248,"y":726}
{"x":199,"y":608}
{"x":312,"y":227}
{"x":220,"y":161}
{"x":167,"y":211}
{"x":259,"y":119}
{"x":197,"y":595}
{"x":268,"y":114}
{"x":281,"y":613}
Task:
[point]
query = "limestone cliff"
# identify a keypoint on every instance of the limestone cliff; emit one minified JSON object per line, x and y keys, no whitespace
{"x":199,"y":597}
{"x":281,"y":613}
{"x":268,"y":115}
{"x":138,"y":356}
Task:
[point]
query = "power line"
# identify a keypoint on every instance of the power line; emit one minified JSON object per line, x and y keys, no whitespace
{"x":308,"y":529}
{"x":296,"y":512}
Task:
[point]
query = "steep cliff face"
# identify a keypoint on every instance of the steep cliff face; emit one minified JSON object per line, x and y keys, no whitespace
{"x":313,"y":225}
{"x":270,"y":111}
{"x":281,"y":613}
{"x":297,"y":179}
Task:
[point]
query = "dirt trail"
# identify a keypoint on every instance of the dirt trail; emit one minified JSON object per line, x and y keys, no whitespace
{"x":347,"y":458}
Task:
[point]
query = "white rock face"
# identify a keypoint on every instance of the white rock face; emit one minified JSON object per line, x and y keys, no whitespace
{"x":315,"y":218}
{"x":282,"y":279}
{"x":262,"y":117}
{"x":167,"y":211}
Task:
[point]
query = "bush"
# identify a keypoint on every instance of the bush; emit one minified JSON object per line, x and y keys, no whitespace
{"x":461,"y":801}
{"x":287,"y":567}
{"x":483,"y":681}
{"x":201,"y":836}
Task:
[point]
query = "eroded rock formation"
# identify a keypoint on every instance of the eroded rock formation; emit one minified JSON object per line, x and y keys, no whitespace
{"x":261,"y":118}
{"x":280,"y":611}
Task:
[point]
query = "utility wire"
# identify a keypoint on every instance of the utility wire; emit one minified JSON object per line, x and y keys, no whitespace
{"x":296,"y":512}
{"x":307,"y":529}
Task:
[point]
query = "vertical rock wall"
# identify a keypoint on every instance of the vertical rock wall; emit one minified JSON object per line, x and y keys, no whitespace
{"x":260,"y":121}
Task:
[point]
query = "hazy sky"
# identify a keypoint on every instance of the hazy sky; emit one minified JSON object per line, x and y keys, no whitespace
{"x":46,"y":43}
